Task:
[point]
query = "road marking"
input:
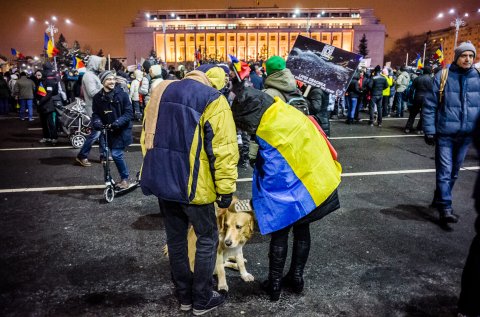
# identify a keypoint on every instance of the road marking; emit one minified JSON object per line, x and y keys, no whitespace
{"x":375,"y":136}
{"x":36,"y":129}
{"x":240,"y":180}
{"x":138,"y":144}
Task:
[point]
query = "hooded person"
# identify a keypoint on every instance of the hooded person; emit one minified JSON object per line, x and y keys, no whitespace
{"x":156,"y":76}
{"x":190,"y":160}
{"x":91,"y":85}
{"x":280,"y":81}
{"x":90,"y":82}
{"x":295,"y":180}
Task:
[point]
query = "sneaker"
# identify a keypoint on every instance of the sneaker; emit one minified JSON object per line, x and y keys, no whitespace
{"x":185,"y":307}
{"x":379,"y":125}
{"x":123,"y":184}
{"x":84,"y":162}
{"x":419,"y":132}
{"x":407,"y":130}
{"x":31,"y":119}
{"x":216,"y":300}
{"x":54,"y":141}
{"x":44,"y":140}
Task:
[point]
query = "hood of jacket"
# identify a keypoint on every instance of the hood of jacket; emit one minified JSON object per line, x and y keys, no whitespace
{"x":282,"y":80}
{"x":200,"y":77}
{"x":94,"y":63}
{"x":215,"y":74}
{"x":248,"y":108}
{"x":138,"y":74}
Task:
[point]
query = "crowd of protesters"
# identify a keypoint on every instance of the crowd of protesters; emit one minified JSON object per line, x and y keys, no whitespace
{"x":381,"y":92}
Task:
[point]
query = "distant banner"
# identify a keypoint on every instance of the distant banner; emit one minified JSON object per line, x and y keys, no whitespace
{"x":322,"y":65}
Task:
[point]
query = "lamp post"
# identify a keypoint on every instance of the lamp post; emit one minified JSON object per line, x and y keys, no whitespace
{"x":457,"y":23}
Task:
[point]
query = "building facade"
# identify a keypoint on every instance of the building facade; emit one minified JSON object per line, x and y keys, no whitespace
{"x":248,"y":33}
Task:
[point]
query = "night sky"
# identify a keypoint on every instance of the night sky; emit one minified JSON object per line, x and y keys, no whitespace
{"x":100,"y":23}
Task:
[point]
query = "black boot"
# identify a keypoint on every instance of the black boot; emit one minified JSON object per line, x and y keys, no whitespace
{"x":273,"y":286}
{"x":294,"y":277}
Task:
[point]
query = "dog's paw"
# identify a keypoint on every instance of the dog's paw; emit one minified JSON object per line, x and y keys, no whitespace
{"x":165,"y":250}
{"x":223,"y":287}
{"x":247,"y":277}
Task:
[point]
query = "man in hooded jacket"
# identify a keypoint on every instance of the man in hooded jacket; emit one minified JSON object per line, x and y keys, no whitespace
{"x":190,"y":153}
{"x":91,"y":85}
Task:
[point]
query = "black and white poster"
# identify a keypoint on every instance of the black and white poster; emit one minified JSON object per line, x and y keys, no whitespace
{"x":322,"y":65}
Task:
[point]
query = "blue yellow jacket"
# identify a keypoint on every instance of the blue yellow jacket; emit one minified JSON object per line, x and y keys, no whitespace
{"x":189,"y":141}
{"x":294,"y":171}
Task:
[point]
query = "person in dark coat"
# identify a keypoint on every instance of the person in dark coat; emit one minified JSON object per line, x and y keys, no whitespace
{"x":354,"y":93}
{"x":295,"y":181}
{"x":4,"y":95}
{"x":377,"y":84}
{"x":47,"y":93}
{"x":421,"y":86}
{"x":318,"y":107}
{"x":468,"y":304}
{"x":111,"y":106}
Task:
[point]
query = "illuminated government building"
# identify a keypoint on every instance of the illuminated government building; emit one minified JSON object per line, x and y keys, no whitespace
{"x":248,"y":33}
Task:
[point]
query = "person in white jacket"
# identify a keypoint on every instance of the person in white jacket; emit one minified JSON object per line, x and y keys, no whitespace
{"x":135,"y":95}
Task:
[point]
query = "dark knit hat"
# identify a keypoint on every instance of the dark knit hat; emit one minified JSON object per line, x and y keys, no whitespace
{"x":463,"y":47}
{"x":104,"y":75}
{"x":275,"y":64}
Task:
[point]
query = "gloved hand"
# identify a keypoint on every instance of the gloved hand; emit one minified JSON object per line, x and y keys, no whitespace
{"x":252,"y":162}
{"x":224,"y":201}
{"x":430,"y":139}
{"x":115,"y":125}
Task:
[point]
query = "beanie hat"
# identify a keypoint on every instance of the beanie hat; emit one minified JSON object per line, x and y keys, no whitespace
{"x":104,"y":75}
{"x":463,"y":47}
{"x":275,"y":64}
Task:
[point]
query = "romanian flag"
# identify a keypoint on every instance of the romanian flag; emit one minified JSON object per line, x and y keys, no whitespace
{"x":418,"y":62}
{"x":77,"y":62}
{"x":439,"y":56}
{"x":49,"y":47}
{"x":17,"y":53}
{"x":41,"y":90}
{"x":241,"y":68}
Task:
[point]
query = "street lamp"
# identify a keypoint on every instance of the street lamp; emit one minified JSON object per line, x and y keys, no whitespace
{"x":457,"y":23}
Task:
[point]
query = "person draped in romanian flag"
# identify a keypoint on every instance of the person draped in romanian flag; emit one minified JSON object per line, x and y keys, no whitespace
{"x":295,"y":180}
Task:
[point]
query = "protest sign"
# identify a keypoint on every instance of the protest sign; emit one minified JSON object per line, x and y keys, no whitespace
{"x":322,"y":65}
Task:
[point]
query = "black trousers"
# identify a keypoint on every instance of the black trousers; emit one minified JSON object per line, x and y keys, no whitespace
{"x":469,"y":303}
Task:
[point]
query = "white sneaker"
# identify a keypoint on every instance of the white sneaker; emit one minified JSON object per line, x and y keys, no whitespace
{"x":44,"y":140}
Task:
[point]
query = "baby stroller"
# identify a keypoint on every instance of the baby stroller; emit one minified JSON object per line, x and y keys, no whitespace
{"x":75,"y":122}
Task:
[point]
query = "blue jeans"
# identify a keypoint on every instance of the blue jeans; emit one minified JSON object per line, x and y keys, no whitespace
{"x":192,"y":288}
{"x":119,"y":159}
{"x":352,"y":106}
{"x":376,"y":100}
{"x":26,"y":103}
{"x":87,"y":146}
{"x":450,"y":152}
{"x":400,"y":96}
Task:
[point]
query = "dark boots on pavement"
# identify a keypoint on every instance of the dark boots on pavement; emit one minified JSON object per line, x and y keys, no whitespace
{"x":277,"y":257}
{"x":294,"y":278}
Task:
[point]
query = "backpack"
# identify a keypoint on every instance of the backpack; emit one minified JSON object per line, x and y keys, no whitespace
{"x":297,"y":100}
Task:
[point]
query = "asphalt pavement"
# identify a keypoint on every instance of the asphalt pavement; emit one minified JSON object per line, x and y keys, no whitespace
{"x":64,"y":251}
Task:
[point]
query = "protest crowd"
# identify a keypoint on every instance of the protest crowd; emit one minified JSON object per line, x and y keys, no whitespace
{"x":263,"y":87}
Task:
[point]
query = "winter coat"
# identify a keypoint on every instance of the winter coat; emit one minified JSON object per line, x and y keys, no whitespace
{"x":189,"y":141}
{"x":116,"y":109}
{"x":135,"y":85}
{"x":294,"y":171}
{"x":257,"y":81}
{"x":91,"y":84}
{"x":4,"y":91}
{"x":460,"y":107}
{"x":402,"y":81}
{"x":280,"y":83}
{"x":318,"y":100}
{"x":353,"y":89}
{"x":46,"y":104}
{"x":386,"y":91}
{"x":377,"y":84}
{"x":421,"y":86}
{"x":24,"y":88}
